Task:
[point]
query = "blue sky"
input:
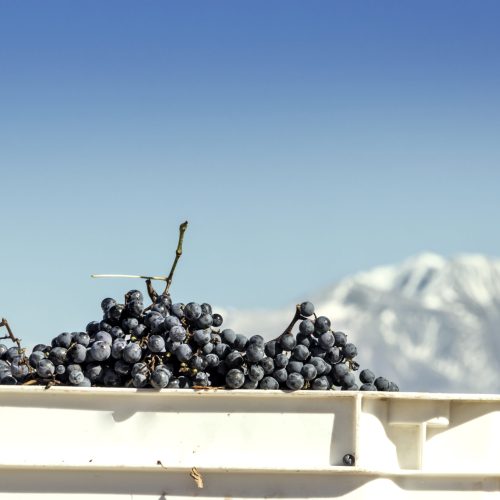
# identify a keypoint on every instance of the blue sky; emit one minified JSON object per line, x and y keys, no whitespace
{"x":303,"y":141}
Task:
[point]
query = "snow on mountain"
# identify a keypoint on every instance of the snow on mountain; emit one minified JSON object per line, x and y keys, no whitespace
{"x":429,"y":323}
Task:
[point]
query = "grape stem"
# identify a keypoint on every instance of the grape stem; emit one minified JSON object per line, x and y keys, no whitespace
{"x":178,"y":253}
{"x":11,"y":335}
{"x":289,"y":328}
{"x":151,"y":291}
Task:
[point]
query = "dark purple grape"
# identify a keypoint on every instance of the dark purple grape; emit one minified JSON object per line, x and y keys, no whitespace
{"x":160,"y":308}
{"x":202,"y":379}
{"x":295,"y":381}
{"x":58,"y":355}
{"x":212,"y":360}
{"x":165,"y":300}
{"x":319,"y":364}
{"x":255,"y":353}
{"x":206,"y":308}
{"x":82,"y":338}
{"x":107,"y":304}
{"x":348,"y":380}
{"x":268,"y":365}
{"x":15,"y":352}
{"x":287,"y":342}
{"x":77,"y":353}
{"x":339,"y":370}
{"x":159,"y":379}
{"x":234,"y":359}
{"x":117,"y":348}
{"x":269,"y":383}
{"x":204,"y":321}
{"x":94,"y":372}
{"x":367,"y":387}
{"x":294,"y":366}
{"x":105,"y":326}
{"x":333,"y":355}
{"x":104,"y":337}
{"x":192,"y":311}
{"x":35,"y":357}
{"x":177,"y":334}
{"x":281,"y":360}
{"x":19,"y":368}
{"x":309,"y":371}
{"x":241,"y":342}
{"x":349,"y":351}
{"x":340,"y":339}
{"x":322,"y":324}
{"x":382,"y":384}
{"x":280,"y":375}
{"x":250,"y":384}
{"x":326,"y":340}
{"x":93,"y":327}
{"x":75,"y":377}
{"x":320,"y":384}
{"x":115,"y":312}
{"x":183,"y":353}
{"x":132,"y":353}
{"x":235,"y":378}
{"x":198,"y":363}
{"x":156,"y":343}
{"x":216,"y":320}
{"x":228,"y":336}
{"x":63,"y":340}
{"x":208,"y":348}
{"x":256,"y":372}
{"x":177,"y":310}
{"x":311,"y":343}
{"x":133,"y":295}
{"x":171,"y":321}
{"x":129,"y":324}
{"x":139,"y":331}
{"x":273,"y":348}
{"x":257,"y":339}
{"x":140,"y":380}
{"x":201,"y":337}
{"x":306,"y":327}
{"x":100,"y":351}
{"x":300,"y":353}
{"x":134,"y":308}
{"x":45,"y":368}
{"x":306,"y":309}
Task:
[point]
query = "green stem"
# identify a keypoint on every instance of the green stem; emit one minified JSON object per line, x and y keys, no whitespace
{"x":178,"y":253}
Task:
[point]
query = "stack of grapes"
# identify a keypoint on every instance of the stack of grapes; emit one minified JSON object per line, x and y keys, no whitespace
{"x":175,"y":345}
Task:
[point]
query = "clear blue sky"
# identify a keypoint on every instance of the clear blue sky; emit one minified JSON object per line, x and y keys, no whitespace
{"x":303,"y":141}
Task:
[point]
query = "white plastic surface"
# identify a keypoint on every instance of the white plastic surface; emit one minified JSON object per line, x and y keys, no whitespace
{"x":124,"y":443}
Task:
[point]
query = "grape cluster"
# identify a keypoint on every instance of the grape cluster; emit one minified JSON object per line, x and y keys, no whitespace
{"x":176,"y":345}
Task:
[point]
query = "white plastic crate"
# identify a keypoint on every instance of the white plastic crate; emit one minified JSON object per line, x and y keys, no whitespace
{"x":68,"y":442}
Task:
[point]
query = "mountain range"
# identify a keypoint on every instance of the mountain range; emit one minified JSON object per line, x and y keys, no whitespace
{"x":430,"y":324}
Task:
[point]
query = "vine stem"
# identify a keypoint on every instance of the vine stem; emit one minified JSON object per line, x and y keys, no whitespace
{"x":295,"y":318}
{"x":151,"y":291}
{"x":178,"y":253}
{"x":11,"y":335}
{"x":160,"y":278}
{"x":153,"y":295}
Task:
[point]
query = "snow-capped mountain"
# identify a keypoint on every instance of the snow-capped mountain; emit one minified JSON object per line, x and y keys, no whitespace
{"x":429,"y":323}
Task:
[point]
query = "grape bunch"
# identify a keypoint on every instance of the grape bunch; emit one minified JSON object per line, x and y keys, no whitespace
{"x":177,"y":345}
